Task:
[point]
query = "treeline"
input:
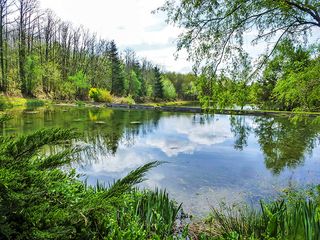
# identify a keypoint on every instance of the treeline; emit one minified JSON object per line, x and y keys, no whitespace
{"x":41,"y":55}
{"x":290,"y":80}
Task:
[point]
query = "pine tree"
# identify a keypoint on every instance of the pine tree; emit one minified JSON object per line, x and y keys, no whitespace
{"x":158,"y":85}
{"x":117,"y":78}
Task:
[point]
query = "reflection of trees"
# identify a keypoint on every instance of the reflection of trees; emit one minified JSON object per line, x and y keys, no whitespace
{"x":202,"y":119}
{"x":285,"y":143}
{"x":241,"y":130}
{"x":119,"y":127}
{"x":104,"y":129}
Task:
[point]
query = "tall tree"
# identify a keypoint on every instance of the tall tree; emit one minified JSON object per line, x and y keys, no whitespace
{"x":27,"y":10}
{"x":117,"y":79}
{"x":5,"y":6}
{"x":158,"y":85}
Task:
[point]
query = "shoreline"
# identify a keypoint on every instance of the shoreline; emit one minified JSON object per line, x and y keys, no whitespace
{"x":210,"y":111}
{"x":176,"y":106}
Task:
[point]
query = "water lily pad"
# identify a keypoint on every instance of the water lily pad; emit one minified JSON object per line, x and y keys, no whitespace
{"x":100,"y":122}
{"x":135,"y":123}
{"x":31,"y":112}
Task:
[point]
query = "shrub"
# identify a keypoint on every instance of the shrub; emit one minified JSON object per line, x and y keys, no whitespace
{"x":66,"y":91}
{"x":100,"y":95}
{"x":127,"y":100}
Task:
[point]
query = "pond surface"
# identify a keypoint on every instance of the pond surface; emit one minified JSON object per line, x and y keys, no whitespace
{"x":208,"y":158}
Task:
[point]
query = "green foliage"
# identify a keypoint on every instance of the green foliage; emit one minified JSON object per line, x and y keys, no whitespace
{"x":4,"y":104}
{"x":134,"y":84}
{"x":51,"y":77}
{"x":117,"y":76}
{"x":157,"y":212}
{"x":158,"y":84}
{"x":34,"y":103}
{"x":169,"y":91}
{"x":293,"y":216}
{"x":66,"y":91}
{"x":100,"y":95}
{"x":221,"y":92}
{"x":300,"y":89}
{"x":33,"y":73}
{"x":63,"y":61}
{"x":40,"y":201}
{"x":80,"y":80}
{"x":127,"y":100}
{"x":214,"y":31}
{"x":183,"y":84}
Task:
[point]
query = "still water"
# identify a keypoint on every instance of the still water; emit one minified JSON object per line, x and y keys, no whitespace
{"x":208,"y":158}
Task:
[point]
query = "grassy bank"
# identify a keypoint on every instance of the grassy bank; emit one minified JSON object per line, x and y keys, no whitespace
{"x":295,"y":215}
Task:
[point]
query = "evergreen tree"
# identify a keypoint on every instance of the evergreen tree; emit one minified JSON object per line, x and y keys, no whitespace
{"x":117,"y":79}
{"x":158,"y":85}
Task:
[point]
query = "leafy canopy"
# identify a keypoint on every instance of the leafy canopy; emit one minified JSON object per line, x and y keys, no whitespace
{"x":215,"y":29}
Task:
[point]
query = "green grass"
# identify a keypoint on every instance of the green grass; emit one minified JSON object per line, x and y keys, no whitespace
{"x":18,"y":102}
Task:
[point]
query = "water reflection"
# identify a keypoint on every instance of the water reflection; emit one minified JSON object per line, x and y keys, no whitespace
{"x":286,"y":143}
{"x":209,"y":158}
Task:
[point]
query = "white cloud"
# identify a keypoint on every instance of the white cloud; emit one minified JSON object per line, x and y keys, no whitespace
{"x":124,"y":160}
{"x":172,"y":147}
{"x":182,"y":136}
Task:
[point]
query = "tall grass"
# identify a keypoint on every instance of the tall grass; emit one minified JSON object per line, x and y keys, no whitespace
{"x":287,"y":218}
{"x":157,"y":211}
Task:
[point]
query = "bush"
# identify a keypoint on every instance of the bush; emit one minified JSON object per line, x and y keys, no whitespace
{"x":127,"y":100}
{"x":66,"y":91}
{"x":100,"y":95}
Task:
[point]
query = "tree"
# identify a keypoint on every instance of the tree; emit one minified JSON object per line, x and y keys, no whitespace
{"x":117,"y":79}
{"x":80,"y":80}
{"x":158,"y":84}
{"x":214,"y":30}
{"x":33,"y":73}
{"x":27,"y":10}
{"x":169,"y":91}
{"x":5,"y":11}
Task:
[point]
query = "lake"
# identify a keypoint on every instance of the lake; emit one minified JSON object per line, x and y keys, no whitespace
{"x":209,"y":158}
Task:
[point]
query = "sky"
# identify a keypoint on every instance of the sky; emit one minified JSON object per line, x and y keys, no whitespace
{"x":130,"y":23}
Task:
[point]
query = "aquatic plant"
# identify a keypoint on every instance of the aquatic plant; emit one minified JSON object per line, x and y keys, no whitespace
{"x":34,"y":103}
{"x":157,"y":212}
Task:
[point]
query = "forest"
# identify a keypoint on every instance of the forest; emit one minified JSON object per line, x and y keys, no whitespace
{"x":43,"y":56}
